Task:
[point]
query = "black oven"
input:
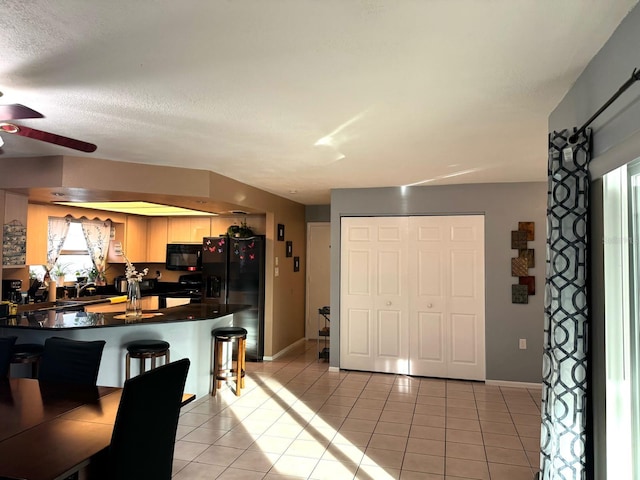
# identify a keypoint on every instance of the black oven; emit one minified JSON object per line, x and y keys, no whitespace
{"x":184,"y":256}
{"x":189,"y":288}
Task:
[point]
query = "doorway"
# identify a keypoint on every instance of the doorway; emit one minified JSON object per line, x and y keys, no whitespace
{"x":318,"y":273}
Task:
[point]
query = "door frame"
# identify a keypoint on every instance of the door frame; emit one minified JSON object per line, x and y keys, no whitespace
{"x":311,"y":317}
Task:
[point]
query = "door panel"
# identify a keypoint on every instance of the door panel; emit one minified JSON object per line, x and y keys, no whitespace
{"x":450,"y":287}
{"x":374,"y":281}
{"x":358,"y":275}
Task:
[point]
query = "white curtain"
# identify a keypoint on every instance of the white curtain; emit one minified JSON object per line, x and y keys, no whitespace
{"x":58,"y":229}
{"x":96,"y":233}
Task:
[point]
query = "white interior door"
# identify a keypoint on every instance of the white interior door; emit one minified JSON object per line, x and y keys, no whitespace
{"x":318,"y":273}
{"x":447,"y":297}
{"x":412,"y":295}
{"x":374,"y":329}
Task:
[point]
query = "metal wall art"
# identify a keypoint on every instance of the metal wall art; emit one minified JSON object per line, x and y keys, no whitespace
{"x":521,"y":264}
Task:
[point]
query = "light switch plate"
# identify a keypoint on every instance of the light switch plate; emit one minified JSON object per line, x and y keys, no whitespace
{"x":523,"y":344}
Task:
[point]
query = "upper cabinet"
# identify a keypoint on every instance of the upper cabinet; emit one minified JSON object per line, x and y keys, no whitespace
{"x":188,"y":229}
{"x":37,"y":234}
{"x":132,"y":237}
{"x":157,"y":239}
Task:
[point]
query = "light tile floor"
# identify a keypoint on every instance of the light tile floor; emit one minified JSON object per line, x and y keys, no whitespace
{"x":295,"y":419}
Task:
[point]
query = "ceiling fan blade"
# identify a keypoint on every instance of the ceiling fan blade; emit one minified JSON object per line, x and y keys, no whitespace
{"x":48,"y":137}
{"x":15,"y":111}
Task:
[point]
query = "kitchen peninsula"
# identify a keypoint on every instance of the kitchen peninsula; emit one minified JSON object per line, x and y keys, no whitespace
{"x":187,"y":328}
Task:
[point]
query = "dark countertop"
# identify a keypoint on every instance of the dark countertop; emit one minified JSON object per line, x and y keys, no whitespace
{"x":63,"y":320}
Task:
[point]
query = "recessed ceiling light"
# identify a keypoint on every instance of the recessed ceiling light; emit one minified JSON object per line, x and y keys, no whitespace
{"x":139,"y":208}
{"x":293,"y":192}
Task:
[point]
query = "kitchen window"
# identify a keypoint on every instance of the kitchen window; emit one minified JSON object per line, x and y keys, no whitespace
{"x":74,"y":256}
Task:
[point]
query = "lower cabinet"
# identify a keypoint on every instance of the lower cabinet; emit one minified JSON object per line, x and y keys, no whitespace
{"x":412,"y":295}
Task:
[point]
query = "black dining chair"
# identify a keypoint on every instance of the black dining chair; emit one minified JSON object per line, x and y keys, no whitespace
{"x":144,"y":432}
{"x":6,"y":352}
{"x":70,"y":361}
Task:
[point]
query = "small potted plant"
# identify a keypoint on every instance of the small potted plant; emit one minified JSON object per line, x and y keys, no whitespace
{"x":58,"y":272}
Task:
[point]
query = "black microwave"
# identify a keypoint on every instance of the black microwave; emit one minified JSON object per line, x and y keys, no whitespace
{"x":184,"y":256}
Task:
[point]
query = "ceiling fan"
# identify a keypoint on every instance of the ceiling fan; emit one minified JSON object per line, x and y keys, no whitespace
{"x":16,"y":111}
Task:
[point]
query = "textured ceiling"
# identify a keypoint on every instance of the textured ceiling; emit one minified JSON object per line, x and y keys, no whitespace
{"x":303,"y":95}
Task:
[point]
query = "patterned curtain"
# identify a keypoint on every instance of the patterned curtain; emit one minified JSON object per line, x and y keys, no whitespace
{"x":57,"y":233}
{"x":97,"y":233}
{"x":564,"y":364}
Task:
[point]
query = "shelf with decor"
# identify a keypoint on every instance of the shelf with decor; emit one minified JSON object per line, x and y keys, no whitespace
{"x":324,"y":332}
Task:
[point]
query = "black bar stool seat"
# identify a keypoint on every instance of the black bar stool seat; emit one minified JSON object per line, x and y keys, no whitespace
{"x":228,"y":335}
{"x":143,"y":349}
{"x":28,"y":353}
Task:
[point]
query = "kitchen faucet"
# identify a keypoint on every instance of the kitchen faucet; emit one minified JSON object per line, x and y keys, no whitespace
{"x":81,"y":287}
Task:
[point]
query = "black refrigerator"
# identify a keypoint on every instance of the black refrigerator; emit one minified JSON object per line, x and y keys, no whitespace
{"x":233,"y":272}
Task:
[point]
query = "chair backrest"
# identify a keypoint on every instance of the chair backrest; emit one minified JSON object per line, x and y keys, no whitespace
{"x":71,"y":361}
{"x":6,"y":344}
{"x":144,"y":433}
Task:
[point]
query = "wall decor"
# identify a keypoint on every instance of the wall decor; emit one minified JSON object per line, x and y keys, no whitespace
{"x":14,"y":244}
{"x":296,"y":264}
{"x":289,"y":248}
{"x":519,"y":294}
{"x":530,"y":228}
{"x":521,"y":264}
{"x":529,"y":255}
{"x":280,"y":232}
{"x":530,"y":282}
{"x":519,"y":267}
{"x":518,"y":239}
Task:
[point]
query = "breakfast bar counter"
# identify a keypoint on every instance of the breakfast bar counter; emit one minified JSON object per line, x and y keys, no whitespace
{"x":187,"y":328}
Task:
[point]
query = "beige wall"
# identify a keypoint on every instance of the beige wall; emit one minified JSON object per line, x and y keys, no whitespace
{"x":88,"y":179}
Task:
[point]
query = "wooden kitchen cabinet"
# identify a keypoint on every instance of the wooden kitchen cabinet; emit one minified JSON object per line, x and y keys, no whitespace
{"x":37,"y":234}
{"x":157,"y":239}
{"x":132,"y":235}
{"x":188,"y":229}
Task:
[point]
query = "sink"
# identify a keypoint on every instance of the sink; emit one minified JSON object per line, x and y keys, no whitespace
{"x":89,"y":298}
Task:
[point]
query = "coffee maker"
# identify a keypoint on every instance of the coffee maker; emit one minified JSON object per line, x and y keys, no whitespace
{"x":11,"y":290}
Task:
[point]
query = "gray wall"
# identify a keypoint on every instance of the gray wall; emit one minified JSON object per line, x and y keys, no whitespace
{"x":317,"y":213}
{"x":616,"y":141}
{"x":504,"y":205}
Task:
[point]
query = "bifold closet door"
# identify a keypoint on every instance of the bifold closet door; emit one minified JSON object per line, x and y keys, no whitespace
{"x":447,"y":297}
{"x":374,"y":320}
{"x":412,"y":295}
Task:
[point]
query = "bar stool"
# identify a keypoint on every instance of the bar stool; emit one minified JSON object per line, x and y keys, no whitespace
{"x":28,"y":353}
{"x":144,"y":349}
{"x":225,"y":371}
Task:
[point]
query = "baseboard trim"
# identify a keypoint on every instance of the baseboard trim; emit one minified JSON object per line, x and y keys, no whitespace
{"x":284,"y":350}
{"x":334,"y":369}
{"x":505,"y":383}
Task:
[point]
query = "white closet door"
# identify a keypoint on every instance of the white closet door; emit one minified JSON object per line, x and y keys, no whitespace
{"x":447,"y":297}
{"x":374,"y":330}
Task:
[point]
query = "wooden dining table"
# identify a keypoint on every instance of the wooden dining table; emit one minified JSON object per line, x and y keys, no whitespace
{"x":49,"y":431}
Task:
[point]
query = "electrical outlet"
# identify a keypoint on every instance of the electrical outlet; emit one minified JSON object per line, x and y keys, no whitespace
{"x":523,"y":344}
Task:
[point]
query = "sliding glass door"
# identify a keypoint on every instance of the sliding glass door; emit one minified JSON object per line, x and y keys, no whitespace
{"x":622,"y":314}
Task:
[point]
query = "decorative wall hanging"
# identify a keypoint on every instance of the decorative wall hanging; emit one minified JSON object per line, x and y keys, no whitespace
{"x":14,"y":244}
{"x":289,"y":248}
{"x":296,"y":264}
{"x":519,"y":294}
{"x":280,"y":232}
{"x":521,"y":264}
